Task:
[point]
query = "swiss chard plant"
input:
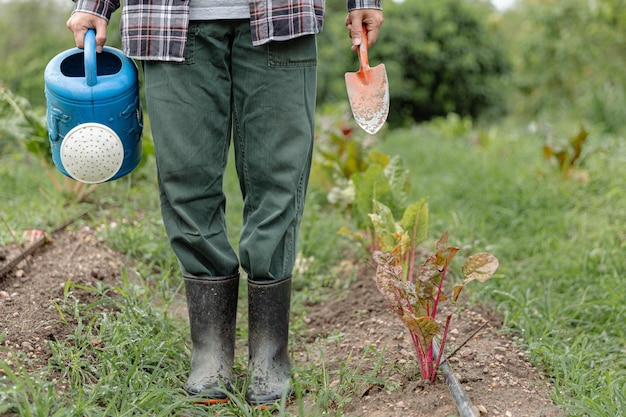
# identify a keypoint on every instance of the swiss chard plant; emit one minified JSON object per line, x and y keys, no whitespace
{"x":415,"y":293}
{"x":355,"y":175}
{"x":341,"y":153}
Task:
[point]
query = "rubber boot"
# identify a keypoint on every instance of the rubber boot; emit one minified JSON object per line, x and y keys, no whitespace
{"x":268,"y":335}
{"x":212,"y":306}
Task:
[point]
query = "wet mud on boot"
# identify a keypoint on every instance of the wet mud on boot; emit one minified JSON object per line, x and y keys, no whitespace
{"x":268,"y":335}
{"x":212,"y":307}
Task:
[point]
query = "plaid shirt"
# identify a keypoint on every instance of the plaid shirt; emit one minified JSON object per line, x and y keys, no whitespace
{"x":157,"y":29}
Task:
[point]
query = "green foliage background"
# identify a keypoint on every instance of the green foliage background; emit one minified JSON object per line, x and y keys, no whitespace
{"x":442,"y":57}
{"x":540,"y":60}
{"x":568,"y":60}
{"x":32,"y":33}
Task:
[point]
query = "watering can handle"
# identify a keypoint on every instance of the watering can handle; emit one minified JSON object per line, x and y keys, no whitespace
{"x":90,"y":58}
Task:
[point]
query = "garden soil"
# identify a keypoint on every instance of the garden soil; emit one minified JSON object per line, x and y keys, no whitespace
{"x":347,"y":334}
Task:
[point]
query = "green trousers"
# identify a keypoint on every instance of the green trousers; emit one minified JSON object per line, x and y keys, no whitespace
{"x":264,"y":99}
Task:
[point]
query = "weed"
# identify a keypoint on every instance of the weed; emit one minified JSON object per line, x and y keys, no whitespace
{"x":568,"y":155}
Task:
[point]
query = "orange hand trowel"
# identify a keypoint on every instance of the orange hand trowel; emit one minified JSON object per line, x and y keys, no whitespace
{"x":368,"y":92}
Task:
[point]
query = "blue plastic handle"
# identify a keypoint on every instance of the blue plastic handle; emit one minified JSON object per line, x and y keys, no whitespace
{"x":91,"y":73}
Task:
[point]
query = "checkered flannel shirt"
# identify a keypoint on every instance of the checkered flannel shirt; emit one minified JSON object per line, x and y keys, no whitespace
{"x":157,"y":29}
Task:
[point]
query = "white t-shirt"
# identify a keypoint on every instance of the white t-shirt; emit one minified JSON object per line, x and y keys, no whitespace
{"x":218,"y":9}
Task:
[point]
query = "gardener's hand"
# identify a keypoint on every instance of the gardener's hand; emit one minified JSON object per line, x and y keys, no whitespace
{"x":372,"y":19}
{"x":79,"y":22}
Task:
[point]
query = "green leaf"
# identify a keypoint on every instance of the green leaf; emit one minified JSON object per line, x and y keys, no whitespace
{"x":379,"y":158}
{"x":456,"y":291}
{"x":369,"y":186}
{"x":353,"y":159}
{"x":442,"y":243}
{"x":480,"y":266}
{"x":415,"y":221}
{"x":429,"y":270}
{"x":387,"y":274}
{"x":445,"y":253}
{"x":399,"y":181}
{"x":384,"y":226}
{"x":425,"y":328}
{"x":428,"y":277}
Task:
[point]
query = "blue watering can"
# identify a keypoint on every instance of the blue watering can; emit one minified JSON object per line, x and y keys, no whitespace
{"x":94,"y":114}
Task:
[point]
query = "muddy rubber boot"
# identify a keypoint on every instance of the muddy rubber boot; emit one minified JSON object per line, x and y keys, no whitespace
{"x":212,"y":307}
{"x":268,"y":335}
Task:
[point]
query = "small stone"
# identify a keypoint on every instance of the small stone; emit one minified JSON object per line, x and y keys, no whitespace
{"x":466,"y":352}
{"x":5,"y":295}
{"x":481,"y":409}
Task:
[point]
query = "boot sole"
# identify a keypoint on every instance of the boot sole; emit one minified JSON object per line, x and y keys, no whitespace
{"x":226,"y":400}
{"x":212,"y":401}
{"x":264,"y":407}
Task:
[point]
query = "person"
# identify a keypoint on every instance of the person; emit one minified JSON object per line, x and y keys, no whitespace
{"x":218,"y":71}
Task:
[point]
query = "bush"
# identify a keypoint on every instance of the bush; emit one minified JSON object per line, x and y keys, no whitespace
{"x":441,"y":57}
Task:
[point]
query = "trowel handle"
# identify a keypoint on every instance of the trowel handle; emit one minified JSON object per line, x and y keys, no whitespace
{"x":91,"y":74}
{"x":362,"y":51}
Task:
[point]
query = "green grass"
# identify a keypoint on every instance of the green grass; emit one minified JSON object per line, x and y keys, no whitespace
{"x":560,"y":242}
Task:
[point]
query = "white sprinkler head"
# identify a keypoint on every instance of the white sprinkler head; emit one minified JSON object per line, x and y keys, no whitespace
{"x":92,"y":153}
